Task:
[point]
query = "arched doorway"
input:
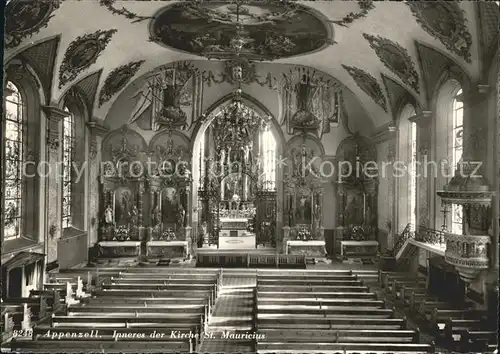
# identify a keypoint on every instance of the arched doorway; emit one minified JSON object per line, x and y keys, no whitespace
{"x":235,"y":174}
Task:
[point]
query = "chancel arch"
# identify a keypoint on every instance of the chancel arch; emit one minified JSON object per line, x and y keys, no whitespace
{"x":236,"y":148}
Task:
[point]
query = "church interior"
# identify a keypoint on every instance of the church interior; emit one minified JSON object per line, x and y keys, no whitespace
{"x":250,"y":176}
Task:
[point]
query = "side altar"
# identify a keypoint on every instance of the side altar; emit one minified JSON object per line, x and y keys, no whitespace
{"x":121,"y":226}
{"x":169,"y":235}
{"x":303,"y":233}
{"x":355,"y":235}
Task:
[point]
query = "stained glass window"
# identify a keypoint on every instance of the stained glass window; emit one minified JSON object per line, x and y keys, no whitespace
{"x":412,"y":185}
{"x":13,"y":202}
{"x":68,"y":150}
{"x":457,"y":151}
{"x":269,"y":159}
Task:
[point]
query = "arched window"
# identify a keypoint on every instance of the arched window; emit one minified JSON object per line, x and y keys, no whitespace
{"x":67,"y":162}
{"x":456,"y":155}
{"x":268,"y":153}
{"x":14,"y":162}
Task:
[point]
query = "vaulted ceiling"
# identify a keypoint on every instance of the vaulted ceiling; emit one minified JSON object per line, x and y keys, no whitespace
{"x":367,"y":46}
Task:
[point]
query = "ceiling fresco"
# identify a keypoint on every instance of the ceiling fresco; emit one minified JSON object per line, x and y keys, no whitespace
{"x":368,"y":84}
{"x":82,"y":53}
{"x":25,"y":18}
{"x":219,"y":30}
{"x":322,"y":35}
{"x":445,"y":21}
{"x":117,"y":80}
{"x":395,"y":58}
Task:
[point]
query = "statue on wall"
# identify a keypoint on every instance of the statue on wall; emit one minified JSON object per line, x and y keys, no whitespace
{"x":108,"y":215}
{"x":165,"y":93}
{"x":311,"y":102}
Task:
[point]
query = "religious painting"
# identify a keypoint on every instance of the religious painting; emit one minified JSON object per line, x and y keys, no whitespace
{"x":173,"y":211}
{"x":446,"y":21}
{"x":258,"y":31}
{"x":82,"y":53}
{"x":117,"y":80}
{"x":25,"y":18}
{"x":368,"y":84}
{"x":126,"y":212}
{"x":396,"y":59}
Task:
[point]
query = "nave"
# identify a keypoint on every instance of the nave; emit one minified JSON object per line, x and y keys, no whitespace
{"x":167,"y":309}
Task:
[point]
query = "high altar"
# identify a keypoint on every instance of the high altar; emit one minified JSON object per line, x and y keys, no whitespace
{"x":304,"y":232}
{"x":237,"y":202}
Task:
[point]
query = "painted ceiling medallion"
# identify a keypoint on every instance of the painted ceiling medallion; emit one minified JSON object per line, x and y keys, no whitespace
{"x":396,"y":58}
{"x":445,"y":21}
{"x":368,"y":84}
{"x":255,"y":31}
{"x":25,"y":18}
{"x":117,"y":80}
{"x":82,"y":53}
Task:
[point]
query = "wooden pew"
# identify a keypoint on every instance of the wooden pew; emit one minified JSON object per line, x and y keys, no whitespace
{"x":105,"y":300}
{"x":284,"y":322}
{"x":76,"y":287}
{"x":318,"y":295}
{"x":53,"y":298}
{"x":386,"y":278}
{"x":311,"y":301}
{"x":397,"y":285}
{"x":311,"y":282}
{"x":17,"y":314}
{"x":345,"y":335}
{"x":7,"y":326}
{"x":328,"y":347}
{"x":442,"y":314}
{"x":38,"y":305}
{"x":85,"y":345}
{"x":453,"y":328}
{"x":305,"y":288}
{"x":304,"y":311}
{"x":478,"y":341}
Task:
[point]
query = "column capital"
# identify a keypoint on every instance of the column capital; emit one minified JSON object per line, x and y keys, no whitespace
{"x":55,"y":114}
{"x":386,"y":132}
{"x":421,"y":118}
{"x":97,"y":128}
{"x":476,"y":94}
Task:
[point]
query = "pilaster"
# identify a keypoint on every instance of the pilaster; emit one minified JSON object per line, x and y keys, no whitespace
{"x":97,"y":131}
{"x":54,"y":116}
{"x":424,"y":192}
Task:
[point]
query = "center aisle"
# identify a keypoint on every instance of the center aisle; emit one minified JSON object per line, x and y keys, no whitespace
{"x":232,"y":317}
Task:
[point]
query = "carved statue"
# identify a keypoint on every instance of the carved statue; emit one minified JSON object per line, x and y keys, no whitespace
{"x":182,"y":216}
{"x":108,"y":215}
{"x":134,"y":216}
